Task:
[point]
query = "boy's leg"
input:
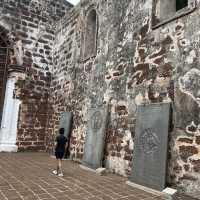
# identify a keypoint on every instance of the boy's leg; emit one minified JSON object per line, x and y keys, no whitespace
{"x":60,"y":166}
{"x":57,"y":165}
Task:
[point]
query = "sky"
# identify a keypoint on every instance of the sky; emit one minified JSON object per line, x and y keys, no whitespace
{"x":73,"y":1}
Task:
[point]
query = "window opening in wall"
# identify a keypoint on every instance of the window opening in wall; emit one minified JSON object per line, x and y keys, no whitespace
{"x":165,"y":11}
{"x":90,"y":35}
{"x":180,"y":4}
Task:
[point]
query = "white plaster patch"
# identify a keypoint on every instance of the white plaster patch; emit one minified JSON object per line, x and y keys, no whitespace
{"x":128,"y":37}
{"x":127,"y":137}
{"x":190,"y":84}
{"x":190,"y":58}
{"x":117,"y":164}
{"x":147,"y":5}
{"x":139,"y":99}
{"x":195,"y":157}
{"x":193,"y":126}
{"x":145,"y":21}
{"x":119,"y":49}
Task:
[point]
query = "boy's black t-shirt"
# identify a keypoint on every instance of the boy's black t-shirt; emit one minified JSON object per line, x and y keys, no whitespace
{"x":61,"y":142}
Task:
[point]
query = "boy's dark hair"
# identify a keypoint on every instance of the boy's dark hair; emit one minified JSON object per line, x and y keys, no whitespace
{"x":62,"y":131}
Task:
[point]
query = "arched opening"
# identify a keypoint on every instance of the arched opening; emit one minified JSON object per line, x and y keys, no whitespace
{"x":9,"y":104}
{"x":4,"y":60}
{"x":90,"y":46}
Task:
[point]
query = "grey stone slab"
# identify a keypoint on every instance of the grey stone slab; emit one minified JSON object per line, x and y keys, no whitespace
{"x":151,"y":144}
{"x":95,"y":137}
{"x":66,"y":122}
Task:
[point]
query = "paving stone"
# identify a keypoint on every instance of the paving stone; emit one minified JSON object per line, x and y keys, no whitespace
{"x":28,"y":176}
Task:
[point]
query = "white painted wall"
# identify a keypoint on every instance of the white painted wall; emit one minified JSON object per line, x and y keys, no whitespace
{"x":8,"y":130}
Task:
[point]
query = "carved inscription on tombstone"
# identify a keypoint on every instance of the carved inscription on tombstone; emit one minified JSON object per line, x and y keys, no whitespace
{"x":96,"y":120}
{"x":148,"y":141}
{"x":97,"y":86}
{"x":95,"y":137}
{"x":151,"y":143}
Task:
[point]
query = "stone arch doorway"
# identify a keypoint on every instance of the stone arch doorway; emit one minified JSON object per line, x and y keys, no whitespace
{"x":4,"y":61}
{"x":11,"y":69}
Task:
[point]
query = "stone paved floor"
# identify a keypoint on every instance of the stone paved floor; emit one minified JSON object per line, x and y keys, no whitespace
{"x":28,"y":176}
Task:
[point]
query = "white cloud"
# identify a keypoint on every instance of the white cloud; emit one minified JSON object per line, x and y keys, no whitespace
{"x":74,"y":2}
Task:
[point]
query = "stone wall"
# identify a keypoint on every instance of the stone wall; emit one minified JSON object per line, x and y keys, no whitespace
{"x":140,"y":55}
{"x":64,"y":87}
{"x":29,"y":26}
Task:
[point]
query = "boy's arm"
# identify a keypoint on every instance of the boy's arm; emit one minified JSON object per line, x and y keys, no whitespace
{"x":56,"y":142}
{"x":66,"y":144}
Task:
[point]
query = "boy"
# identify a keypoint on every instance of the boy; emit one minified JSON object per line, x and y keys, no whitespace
{"x":60,"y":144}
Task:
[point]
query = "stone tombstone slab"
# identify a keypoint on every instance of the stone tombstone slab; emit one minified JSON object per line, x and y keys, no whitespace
{"x":66,"y":122}
{"x":151,"y":145}
{"x":95,"y":137}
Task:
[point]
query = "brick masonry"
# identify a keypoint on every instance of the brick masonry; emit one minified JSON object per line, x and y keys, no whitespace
{"x":139,"y":56}
{"x":32,"y":23}
{"x":29,"y":176}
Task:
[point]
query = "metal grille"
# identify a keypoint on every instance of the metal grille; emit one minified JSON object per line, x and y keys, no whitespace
{"x":4,"y":55}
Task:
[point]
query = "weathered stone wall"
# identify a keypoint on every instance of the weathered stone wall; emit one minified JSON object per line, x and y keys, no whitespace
{"x":79,"y":84}
{"x":179,"y":41}
{"x":139,"y":56}
{"x":30,"y":29}
{"x":64,"y":84}
{"x":142,"y":54}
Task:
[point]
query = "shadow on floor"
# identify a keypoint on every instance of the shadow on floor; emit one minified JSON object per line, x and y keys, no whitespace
{"x":180,"y":196}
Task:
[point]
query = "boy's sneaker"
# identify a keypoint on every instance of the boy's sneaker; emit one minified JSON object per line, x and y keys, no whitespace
{"x":54,"y":172}
{"x":60,"y":175}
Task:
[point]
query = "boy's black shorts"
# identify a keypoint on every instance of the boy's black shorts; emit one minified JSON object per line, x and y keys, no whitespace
{"x":59,"y":155}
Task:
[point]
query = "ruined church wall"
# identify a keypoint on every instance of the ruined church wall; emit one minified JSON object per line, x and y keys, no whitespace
{"x":80,"y":83}
{"x":66,"y":90}
{"x":170,"y":52}
{"x":136,"y":59}
{"x":32,"y":23}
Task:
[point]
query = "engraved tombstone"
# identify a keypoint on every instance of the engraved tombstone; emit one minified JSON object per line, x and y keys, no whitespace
{"x":151,"y":144}
{"x":94,"y":145}
{"x":66,"y":123}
